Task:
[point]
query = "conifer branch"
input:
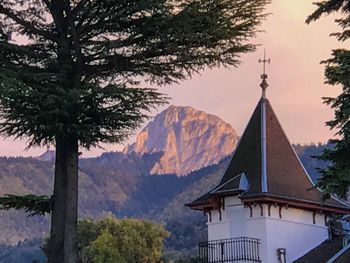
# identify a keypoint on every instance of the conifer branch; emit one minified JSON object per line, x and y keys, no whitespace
{"x":32,"y":204}
{"x":28,"y":26}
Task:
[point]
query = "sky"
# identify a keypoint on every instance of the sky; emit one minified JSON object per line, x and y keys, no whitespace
{"x":295,"y":76}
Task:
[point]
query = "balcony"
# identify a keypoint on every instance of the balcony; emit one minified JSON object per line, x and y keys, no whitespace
{"x":240,"y":249}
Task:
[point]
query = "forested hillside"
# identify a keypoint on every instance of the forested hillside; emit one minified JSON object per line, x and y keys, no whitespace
{"x":122,"y":185}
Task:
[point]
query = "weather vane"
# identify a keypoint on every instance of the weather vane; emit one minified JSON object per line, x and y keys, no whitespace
{"x":264,"y":84}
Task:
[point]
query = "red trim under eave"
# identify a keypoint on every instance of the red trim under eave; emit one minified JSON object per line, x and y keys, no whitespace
{"x":279,"y":200}
{"x":296,"y":203}
{"x":203,"y":207}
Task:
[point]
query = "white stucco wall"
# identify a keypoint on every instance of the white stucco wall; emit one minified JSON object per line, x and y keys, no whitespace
{"x":221,"y":229}
{"x":295,"y":231}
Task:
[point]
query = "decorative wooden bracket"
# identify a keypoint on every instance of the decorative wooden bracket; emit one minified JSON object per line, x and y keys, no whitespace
{"x":250,"y":208}
{"x":280,"y":211}
{"x":261,"y":209}
{"x":314,"y":217}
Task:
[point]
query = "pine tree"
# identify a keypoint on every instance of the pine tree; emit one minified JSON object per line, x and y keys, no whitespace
{"x":81,"y":77}
{"x":335,"y":179}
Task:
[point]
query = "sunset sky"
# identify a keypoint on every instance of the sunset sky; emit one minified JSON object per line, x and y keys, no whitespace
{"x":295,"y":78}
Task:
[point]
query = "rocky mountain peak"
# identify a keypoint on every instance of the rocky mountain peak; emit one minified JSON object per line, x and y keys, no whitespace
{"x":189,"y":139}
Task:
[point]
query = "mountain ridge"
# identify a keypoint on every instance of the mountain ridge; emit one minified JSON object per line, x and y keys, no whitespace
{"x":188,"y":138}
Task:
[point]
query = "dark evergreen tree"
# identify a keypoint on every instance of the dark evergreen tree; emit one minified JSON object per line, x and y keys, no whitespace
{"x":78,"y":78}
{"x":335,"y":178}
{"x":32,"y":204}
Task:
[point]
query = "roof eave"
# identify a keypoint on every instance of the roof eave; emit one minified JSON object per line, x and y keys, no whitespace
{"x":208,"y":205}
{"x":297,"y":203}
{"x":199,"y":207}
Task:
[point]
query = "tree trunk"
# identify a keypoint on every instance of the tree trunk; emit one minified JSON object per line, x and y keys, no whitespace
{"x":63,"y":244}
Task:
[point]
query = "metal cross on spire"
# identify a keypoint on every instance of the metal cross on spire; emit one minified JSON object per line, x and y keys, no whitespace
{"x":264,"y":84}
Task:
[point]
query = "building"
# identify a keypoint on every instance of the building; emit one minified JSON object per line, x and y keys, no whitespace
{"x":266,"y":208}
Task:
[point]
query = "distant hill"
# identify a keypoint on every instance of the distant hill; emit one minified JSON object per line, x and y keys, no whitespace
{"x":125,"y":185}
{"x":48,"y":156}
{"x":307,"y":153}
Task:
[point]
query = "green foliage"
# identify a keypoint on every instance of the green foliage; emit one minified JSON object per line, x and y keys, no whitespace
{"x":330,"y":6}
{"x":103,"y":250}
{"x":79,"y":75}
{"x":124,"y":241}
{"x":32,"y":204}
{"x":335,"y":178}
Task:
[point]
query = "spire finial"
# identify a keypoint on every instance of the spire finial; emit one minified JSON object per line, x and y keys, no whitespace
{"x":264,"y":84}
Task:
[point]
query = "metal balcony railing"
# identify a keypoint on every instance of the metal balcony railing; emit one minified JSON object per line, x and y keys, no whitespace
{"x":240,"y":249}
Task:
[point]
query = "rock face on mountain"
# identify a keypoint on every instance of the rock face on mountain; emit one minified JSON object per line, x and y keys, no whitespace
{"x":190,"y":139}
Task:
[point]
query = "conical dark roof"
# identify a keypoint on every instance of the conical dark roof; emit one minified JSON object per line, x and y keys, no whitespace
{"x":266,"y":160}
